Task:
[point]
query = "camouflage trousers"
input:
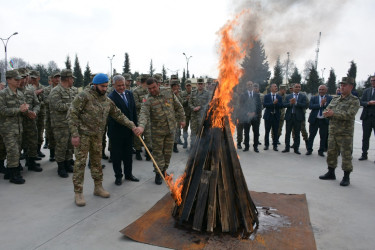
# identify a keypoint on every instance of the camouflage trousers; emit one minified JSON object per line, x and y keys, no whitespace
{"x":30,"y":137}
{"x":281,"y":124}
{"x":12,"y":144}
{"x":92,"y":145}
{"x":49,"y":134}
{"x":177,"y":135}
{"x":304,"y":133}
{"x":342,"y":144}
{"x":40,"y":124}
{"x":3,"y":151}
{"x":196,"y":120}
{"x":104,"y":140}
{"x":185,"y":131}
{"x":162,"y":150}
{"x":146,"y":138}
{"x":64,"y":147}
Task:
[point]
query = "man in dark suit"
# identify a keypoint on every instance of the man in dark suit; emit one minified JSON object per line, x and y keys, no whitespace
{"x":367,"y":116}
{"x":121,"y":137}
{"x":295,"y":104}
{"x":318,"y":121}
{"x":250,"y":106}
{"x":272,"y":104}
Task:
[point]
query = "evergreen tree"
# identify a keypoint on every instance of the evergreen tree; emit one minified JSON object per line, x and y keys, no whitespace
{"x":331,"y":83}
{"x":126,"y":67}
{"x":193,"y":76}
{"x":277,"y":73}
{"x":68,"y":63}
{"x":152,"y":70}
{"x":352,"y":72}
{"x":313,"y":82}
{"x":135,"y":75}
{"x":256,"y":66}
{"x":52,"y":67}
{"x":77,"y":72}
{"x":87,"y":76}
{"x":295,"y":77}
{"x":164,"y":73}
{"x":368,"y":82}
{"x":183,"y":79}
{"x":43,"y":74}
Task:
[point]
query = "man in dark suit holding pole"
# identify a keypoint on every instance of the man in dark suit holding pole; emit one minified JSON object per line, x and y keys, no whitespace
{"x":122,"y":137}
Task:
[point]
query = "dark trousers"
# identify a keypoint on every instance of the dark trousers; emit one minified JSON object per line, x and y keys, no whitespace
{"x":122,"y":152}
{"x":273,"y":123}
{"x":322,"y":125}
{"x":367,"y":126}
{"x":239,"y":133}
{"x":246,"y":126}
{"x":293,"y":123}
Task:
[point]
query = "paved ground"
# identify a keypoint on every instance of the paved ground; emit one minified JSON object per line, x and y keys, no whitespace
{"x":42,"y":215}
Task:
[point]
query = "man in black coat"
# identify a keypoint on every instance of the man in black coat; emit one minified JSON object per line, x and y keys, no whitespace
{"x":121,"y":137}
{"x":367,"y":117}
{"x":318,"y":121}
{"x":295,"y":104}
{"x":250,"y":107}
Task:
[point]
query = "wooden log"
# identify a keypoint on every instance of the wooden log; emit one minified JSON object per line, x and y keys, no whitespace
{"x":223,"y":209}
{"x":211,"y":210}
{"x":200,"y":208}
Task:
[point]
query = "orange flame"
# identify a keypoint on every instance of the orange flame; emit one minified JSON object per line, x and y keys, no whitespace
{"x":229,"y":74}
{"x":175,"y":188}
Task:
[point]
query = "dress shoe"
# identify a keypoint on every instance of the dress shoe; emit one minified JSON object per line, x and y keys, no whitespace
{"x":286,"y":150}
{"x":363,"y":157}
{"x":265,"y":147}
{"x":118,"y":181}
{"x":259,"y":143}
{"x":321,"y":154}
{"x":131,"y":178}
{"x":239,"y":146}
{"x":297,"y":151}
{"x":275,"y":148}
{"x":256,"y":150}
{"x":246,"y":149}
{"x":278,"y":142}
{"x":308,"y":152}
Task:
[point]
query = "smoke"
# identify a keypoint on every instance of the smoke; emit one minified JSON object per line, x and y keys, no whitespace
{"x":287,"y":25}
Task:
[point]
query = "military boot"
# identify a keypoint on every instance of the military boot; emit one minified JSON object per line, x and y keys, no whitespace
{"x":79,"y":200}
{"x":2,"y":166}
{"x":40,"y":154}
{"x":6,"y":174}
{"x":138,"y":155}
{"x":104,"y":156}
{"x":52,"y":154}
{"x":148,"y":157}
{"x":32,"y":165}
{"x":99,"y":191}
{"x":15,"y":176}
{"x":330,"y":175}
{"x":20,"y":168}
{"x":61,"y":171}
{"x":158,"y":179}
{"x":68,"y":166}
{"x":345,"y":180}
{"x":28,"y":159}
{"x":175,"y":149}
{"x":45,"y":144}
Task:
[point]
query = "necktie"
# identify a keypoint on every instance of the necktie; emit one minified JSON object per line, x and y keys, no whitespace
{"x":124,"y":98}
{"x":273,"y":98}
{"x":321,"y":108}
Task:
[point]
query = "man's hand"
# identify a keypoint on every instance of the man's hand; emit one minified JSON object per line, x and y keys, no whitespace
{"x":328,"y":113}
{"x":24,"y":107}
{"x":75,"y":141}
{"x":138,"y":131}
{"x":276,"y":101}
{"x":182,"y":124}
{"x":197,"y":108}
{"x":323,"y":101}
{"x":293,"y":101}
{"x":31,"y":114}
{"x":38,"y":91}
{"x":371,"y":102}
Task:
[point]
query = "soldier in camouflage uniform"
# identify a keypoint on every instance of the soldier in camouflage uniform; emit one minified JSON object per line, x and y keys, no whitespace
{"x":185,"y":95}
{"x":87,"y":119}
{"x":128,"y":81}
{"x":198,"y":103}
{"x":341,"y":114}
{"x":175,"y":88}
{"x":55,"y":79}
{"x":45,"y":120}
{"x":60,"y":99}
{"x":3,"y":153}
{"x":282,"y":93}
{"x":161,"y":110}
{"x":12,"y":110}
{"x":140,"y":95}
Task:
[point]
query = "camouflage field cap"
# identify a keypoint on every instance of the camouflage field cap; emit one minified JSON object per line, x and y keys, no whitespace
{"x":138,"y":79}
{"x":175,"y":82}
{"x":187,"y":82}
{"x":144,"y":77}
{"x":67,"y":73}
{"x":56,"y":73}
{"x":13,"y":74}
{"x":210,"y":80}
{"x":127,"y":77}
{"x":200,"y":80}
{"x":158,"y":78}
{"x":23,"y":72}
{"x":283,"y":86}
{"x":34,"y":74}
{"x":174,"y":77}
{"x":347,"y":80}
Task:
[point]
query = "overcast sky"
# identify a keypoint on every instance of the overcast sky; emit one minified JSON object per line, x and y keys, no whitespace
{"x":162,"y":30}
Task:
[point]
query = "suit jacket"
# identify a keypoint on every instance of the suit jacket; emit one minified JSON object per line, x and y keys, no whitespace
{"x":368,"y":110}
{"x":299,"y":107}
{"x":315,"y":107}
{"x":270,"y":107}
{"x":115,"y":129}
{"x":249,"y":105}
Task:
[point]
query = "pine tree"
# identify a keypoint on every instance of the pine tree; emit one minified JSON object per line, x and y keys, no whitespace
{"x":313,"y":82}
{"x":68,"y":63}
{"x":331,"y":83}
{"x":295,"y":77}
{"x":256,"y":66}
{"x":352,"y":72}
{"x":126,"y":67}
{"x":193,"y":76}
{"x":164,"y":73}
{"x":43,"y":74}
{"x":135,"y":75}
{"x":87,"y":76}
{"x":183,"y":79}
{"x":77,"y":72}
{"x":152,"y":70}
{"x":277,"y":73}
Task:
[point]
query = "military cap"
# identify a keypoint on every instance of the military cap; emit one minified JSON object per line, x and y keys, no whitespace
{"x":67,"y":73}
{"x":347,"y":80}
{"x":127,"y":76}
{"x":175,"y":82}
{"x":283,"y":86}
{"x":200,"y":80}
{"x":56,"y":73}
{"x":23,"y":72}
{"x":13,"y":74}
{"x":34,"y":74}
{"x":174,"y":77}
{"x":158,"y":78}
{"x":187,"y":82}
{"x":145,"y":76}
{"x":210,"y":80}
{"x":138,"y":79}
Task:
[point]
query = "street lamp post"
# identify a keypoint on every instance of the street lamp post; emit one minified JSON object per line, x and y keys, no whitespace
{"x":187,"y":64}
{"x":110,"y":59}
{"x":323,"y":69}
{"x":5,"y":48}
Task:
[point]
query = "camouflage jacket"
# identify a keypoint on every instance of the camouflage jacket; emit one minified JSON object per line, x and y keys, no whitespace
{"x":140,"y":96}
{"x":89,"y":112}
{"x":59,"y":101}
{"x":10,"y":114}
{"x":344,"y":111}
{"x":40,"y":96}
{"x":199,"y":98}
{"x":162,"y":111}
{"x":31,"y":99}
{"x":185,"y":102}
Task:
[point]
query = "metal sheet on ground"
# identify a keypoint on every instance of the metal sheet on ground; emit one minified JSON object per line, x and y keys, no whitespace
{"x":284,"y":224}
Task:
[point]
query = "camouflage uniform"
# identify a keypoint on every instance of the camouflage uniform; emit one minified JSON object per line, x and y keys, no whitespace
{"x":87,"y":118}
{"x":282,"y":118}
{"x":140,"y":96}
{"x":11,"y":124}
{"x":161,"y":112}
{"x":341,"y":130}
{"x":185,"y":103}
{"x":40,"y":122}
{"x":3,"y":152}
{"x":51,"y":138}
{"x":177,"y":136}
{"x":198,"y":98}
{"x":60,"y":99}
